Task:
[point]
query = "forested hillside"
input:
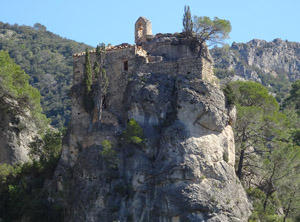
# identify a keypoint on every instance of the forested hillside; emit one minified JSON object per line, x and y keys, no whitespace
{"x":47,"y":58}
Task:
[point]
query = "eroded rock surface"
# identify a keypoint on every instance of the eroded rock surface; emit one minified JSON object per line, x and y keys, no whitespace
{"x":184,"y":169}
{"x":184,"y":172}
{"x":17,"y":131}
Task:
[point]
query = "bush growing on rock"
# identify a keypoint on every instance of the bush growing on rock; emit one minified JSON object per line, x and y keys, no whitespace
{"x":107,"y":150}
{"x":133,"y":133}
{"x":109,"y":155}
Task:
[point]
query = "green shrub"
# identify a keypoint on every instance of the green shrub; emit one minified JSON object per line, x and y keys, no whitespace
{"x":22,"y":194}
{"x":107,"y":150}
{"x":229,"y":95}
{"x":109,"y":155}
{"x":133,"y":133}
{"x":259,"y":214}
{"x":47,"y":148}
{"x":21,"y":186}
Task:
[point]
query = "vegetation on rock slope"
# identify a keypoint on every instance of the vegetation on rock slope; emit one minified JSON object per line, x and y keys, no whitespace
{"x":14,"y":84}
{"x":267,"y":138}
{"x":22,"y":196}
{"x":22,"y":193}
{"x":47,"y":58}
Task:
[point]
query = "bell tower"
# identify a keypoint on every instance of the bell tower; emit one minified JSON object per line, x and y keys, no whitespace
{"x":143,"y":28}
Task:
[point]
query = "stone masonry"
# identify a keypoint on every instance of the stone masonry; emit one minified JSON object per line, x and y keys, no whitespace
{"x":166,"y":54}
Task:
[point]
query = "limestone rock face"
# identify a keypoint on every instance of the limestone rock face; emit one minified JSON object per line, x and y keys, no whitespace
{"x":17,"y":130}
{"x":183,"y":172}
{"x":277,"y":57}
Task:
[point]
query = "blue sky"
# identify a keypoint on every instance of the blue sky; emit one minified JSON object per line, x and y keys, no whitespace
{"x":112,"y":21}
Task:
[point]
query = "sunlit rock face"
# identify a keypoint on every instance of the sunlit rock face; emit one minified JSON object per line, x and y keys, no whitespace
{"x":183,"y":170}
{"x":249,"y":60}
{"x":17,"y":131}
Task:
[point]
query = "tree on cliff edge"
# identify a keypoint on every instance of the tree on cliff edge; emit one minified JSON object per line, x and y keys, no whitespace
{"x":187,"y":22}
{"x":207,"y":30}
{"x":214,"y":31}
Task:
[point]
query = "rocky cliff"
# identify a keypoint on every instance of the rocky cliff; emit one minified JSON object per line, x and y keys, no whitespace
{"x":17,"y":130}
{"x":182,"y":171}
{"x":248,"y":60}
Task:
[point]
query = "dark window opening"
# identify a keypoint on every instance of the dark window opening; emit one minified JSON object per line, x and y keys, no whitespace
{"x":126,"y":66}
{"x":104,"y":105}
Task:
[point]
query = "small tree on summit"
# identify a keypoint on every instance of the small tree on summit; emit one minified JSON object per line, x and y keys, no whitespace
{"x":214,"y":31}
{"x":187,"y":22}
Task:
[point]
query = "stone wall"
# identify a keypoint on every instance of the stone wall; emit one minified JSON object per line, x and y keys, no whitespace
{"x":165,"y":54}
{"x":207,"y":71}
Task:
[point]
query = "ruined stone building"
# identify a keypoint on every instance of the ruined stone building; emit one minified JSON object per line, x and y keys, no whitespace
{"x":184,"y":170}
{"x":165,"y":54}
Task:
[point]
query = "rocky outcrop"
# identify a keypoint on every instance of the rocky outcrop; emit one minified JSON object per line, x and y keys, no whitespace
{"x":183,"y":172}
{"x":17,"y":130}
{"x":256,"y":57}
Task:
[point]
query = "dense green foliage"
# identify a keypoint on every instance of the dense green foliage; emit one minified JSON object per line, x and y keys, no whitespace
{"x":207,"y":30}
{"x":47,"y":58}
{"x":133,"y":133}
{"x":14,"y":84}
{"x":266,"y":149}
{"x":109,"y":154}
{"x":46,"y":148}
{"x":230,"y":97}
{"x":214,"y":31}
{"x":22,"y":196}
{"x":293,"y":100}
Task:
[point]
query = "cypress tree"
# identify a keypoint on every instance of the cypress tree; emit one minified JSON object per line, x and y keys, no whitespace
{"x":88,"y":71}
{"x":187,"y":22}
